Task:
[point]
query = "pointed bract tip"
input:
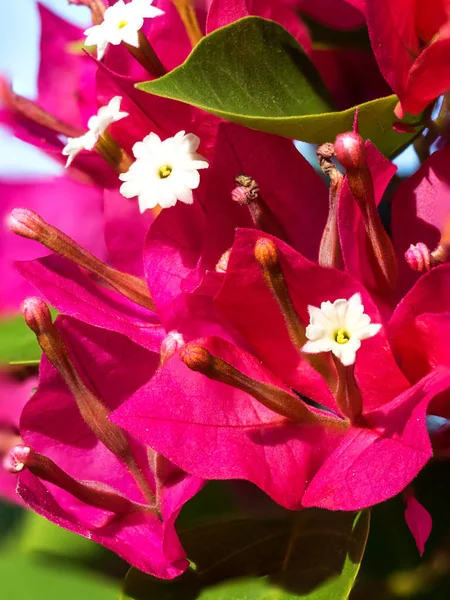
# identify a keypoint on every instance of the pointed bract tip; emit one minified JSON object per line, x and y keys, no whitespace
{"x":15,"y":460}
{"x":195,"y":357}
{"x":25,"y":222}
{"x":350,"y":150}
{"x":36,"y":314}
{"x":266,"y":253}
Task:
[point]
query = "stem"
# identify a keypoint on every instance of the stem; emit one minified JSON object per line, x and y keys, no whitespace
{"x":146,"y":56}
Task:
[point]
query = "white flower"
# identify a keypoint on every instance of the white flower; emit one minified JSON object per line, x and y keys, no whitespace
{"x":75,"y":145}
{"x":107,"y":115}
{"x":121,"y":23}
{"x":339,"y":327}
{"x":164,"y":171}
{"x":97,"y":126}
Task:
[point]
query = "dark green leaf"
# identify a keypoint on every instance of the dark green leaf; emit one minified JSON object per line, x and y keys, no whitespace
{"x":313,"y":554}
{"x":253,"y":72}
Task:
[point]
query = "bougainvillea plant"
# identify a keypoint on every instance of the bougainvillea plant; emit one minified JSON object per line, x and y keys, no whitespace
{"x":219,"y":360}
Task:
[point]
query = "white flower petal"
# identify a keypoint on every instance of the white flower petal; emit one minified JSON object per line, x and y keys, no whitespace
{"x":131,"y":36}
{"x":314,"y":332}
{"x":165,"y":171}
{"x":369,"y":331}
{"x":322,"y":345}
{"x":339,"y":326}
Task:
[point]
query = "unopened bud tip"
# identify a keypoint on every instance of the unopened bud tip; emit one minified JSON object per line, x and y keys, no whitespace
{"x":195,"y":357}
{"x":350,"y":150}
{"x":24,"y":222}
{"x":266,"y":253}
{"x":15,"y":459}
{"x":36,"y":314}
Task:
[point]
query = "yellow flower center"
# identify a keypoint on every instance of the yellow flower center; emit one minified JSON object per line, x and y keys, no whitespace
{"x":342,"y":336}
{"x":164,"y":171}
{"x":123,"y":23}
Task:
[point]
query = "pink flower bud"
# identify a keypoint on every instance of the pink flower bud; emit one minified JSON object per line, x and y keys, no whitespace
{"x":36,"y":314}
{"x":15,"y":460}
{"x":25,"y":223}
{"x":419,"y":257}
{"x":350,"y":150}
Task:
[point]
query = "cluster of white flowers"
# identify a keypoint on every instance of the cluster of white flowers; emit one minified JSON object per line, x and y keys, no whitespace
{"x":121,"y":23}
{"x":97,"y":126}
{"x":164,"y":171}
{"x":339,"y":327}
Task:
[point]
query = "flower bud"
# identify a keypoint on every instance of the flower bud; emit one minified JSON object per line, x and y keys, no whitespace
{"x":419,"y":257}
{"x":15,"y":460}
{"x":246,"y":190}
{"x":28,"y":224}
{"x":266,"y":253}
{"x":350,"y":150}
{"x":90,"y":492}
{"x":170,"y":345}
{"x":25,"y":223}
{"x":195,"y":357}
{"x":36,"y":314}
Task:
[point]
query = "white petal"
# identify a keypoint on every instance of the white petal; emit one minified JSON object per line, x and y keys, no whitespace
{"x":146,"y":202}
{"x":101,"y":49}
{"x":347,"y":356}
{"x":130,"y":189}
{"x":316,"y":346}
{"x":190,"y":142}
{"x":185,"y":195}
{"x":319,"y":317}
{"x":314,"y":332}
{"x":190,"y":179}
{"x":130,"y":36}
{"x":369,"y":331}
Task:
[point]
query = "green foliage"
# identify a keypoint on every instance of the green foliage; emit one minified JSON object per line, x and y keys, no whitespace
{"x":18,"y":344}
{"x":40,"y":561}
{"x":312,"y":554}
{"x":253,"y":72}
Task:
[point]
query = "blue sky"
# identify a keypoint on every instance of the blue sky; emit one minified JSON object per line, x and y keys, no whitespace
{"x":19,"y":57}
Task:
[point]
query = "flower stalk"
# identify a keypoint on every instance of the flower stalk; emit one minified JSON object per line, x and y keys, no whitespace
{"x":187,"y":14}
{"x":94,"y":413}
{"x":29,"y":225}
{"x":351,"y":153}
{"x":89,"y":492}
{"x":330,"y":253}
{"x":283,"y":403}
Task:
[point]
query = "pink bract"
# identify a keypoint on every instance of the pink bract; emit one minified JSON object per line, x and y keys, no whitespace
{"x":52,"y":425}
{"x":217,"y":432}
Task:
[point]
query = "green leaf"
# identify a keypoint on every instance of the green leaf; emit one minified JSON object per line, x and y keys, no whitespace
{"x":253,"y":72}
{"x":314,"y":555}
{"x":25,"y":577}
{"x":18,"y":344}
{"x":41,"y":561}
